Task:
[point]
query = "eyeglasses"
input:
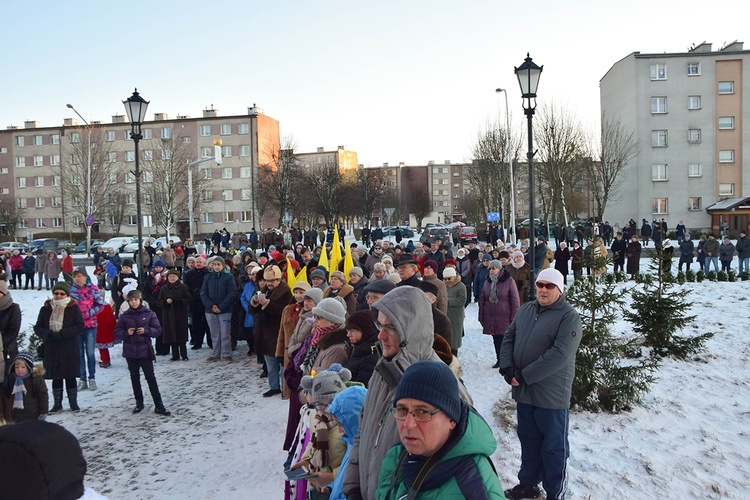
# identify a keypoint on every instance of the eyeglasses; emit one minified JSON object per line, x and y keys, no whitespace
{"x":419,"y":414}
{"x":548,"y":286}
{"x":59,"y":293}
{"x":389,"y":329}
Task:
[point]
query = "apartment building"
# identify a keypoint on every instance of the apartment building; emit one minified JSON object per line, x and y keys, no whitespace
{"x":346,"y":160}
{"x":36,"y":163}
{"x":688,"y":113}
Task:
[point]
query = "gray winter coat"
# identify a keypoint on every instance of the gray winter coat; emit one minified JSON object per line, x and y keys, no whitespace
{"x":456,"y":312}
{"x":743,"y":247}
{"x":542,"y":343}
{"x":726,"y":251}
{"x":410,"y":312}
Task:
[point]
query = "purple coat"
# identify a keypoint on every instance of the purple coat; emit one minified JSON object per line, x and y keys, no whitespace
{"x":495,"y":318}
{"x":137,"y":346}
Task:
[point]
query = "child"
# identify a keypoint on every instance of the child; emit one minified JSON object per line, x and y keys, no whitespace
{"x":105,"y":334}
{"x":29,"y":267}
{"x":26,"y":389}
{"x":297,"y":490}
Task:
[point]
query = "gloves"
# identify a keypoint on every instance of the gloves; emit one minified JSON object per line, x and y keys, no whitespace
{"x":517,"y":374}
{"x":55,"y":336}
{"x":508,"y":373}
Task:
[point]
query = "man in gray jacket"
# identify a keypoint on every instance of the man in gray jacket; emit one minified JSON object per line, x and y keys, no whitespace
{"x":404,"y":320}
{"x":537,"y":358}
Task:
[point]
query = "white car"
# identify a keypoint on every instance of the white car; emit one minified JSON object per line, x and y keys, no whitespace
{"x":13,"y":245}
{"x":132,"y":247}
{"x":164,"y":240}
{"x":117,"y":243}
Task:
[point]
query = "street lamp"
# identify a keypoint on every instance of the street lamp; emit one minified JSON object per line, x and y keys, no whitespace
{"x":512,"y":238}
{"x":89,"y":215}
{"x":135,"y":107}
{"x":528,"y":78}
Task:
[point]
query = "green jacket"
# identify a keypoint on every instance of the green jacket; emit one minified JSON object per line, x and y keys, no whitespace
{"x":475,"y":442}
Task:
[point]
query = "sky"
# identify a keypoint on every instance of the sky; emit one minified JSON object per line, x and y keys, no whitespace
{"x":395,"y":81}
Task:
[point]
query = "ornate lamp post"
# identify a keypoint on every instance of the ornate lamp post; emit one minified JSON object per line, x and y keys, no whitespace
{"x":528,"y":78}
{"x":135,"y":107}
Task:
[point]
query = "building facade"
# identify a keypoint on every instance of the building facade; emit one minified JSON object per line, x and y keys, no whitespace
{"x":687,"y":111}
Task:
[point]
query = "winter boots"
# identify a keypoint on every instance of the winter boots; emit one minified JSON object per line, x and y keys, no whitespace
{"x":520,"y":491}
{"x":138,"y":407}
{"x":73,"y":398}
{"x":82,"y":385}
{"x":92,"y":384}
{"x":161,"y":410}
{"x":57,"y":394}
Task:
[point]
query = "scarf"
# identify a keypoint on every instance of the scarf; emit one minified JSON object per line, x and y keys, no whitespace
{"x":493,"y":288}
{"x":5,"y":302}
{"x":312,"y":353}
{"x":58,"y":312}
{"x":19,"y":389}
{"x":518,"y":265}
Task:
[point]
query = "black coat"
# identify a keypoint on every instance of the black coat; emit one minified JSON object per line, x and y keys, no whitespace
{"x":362,"y":361}
{"x":619,"y":249}
{"x":174,"y":316}
{"x":194,"y":281}
{"x":10,"y":325}
{"x":61,"y":358}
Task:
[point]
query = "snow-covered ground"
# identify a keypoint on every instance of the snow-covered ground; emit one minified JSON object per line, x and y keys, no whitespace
{"x":689,"y":438}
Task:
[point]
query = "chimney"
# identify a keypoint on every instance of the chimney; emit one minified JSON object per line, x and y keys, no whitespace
{"x":70,"y":122}
{"x":31,"y":124}
{"x":118,"y":118}
{"x":160,"y":117}
{"x":447,"y":162}
{"x":385,"y":164}
{"x":210,"y":113}
{"x":254,"y":110}
{"x":341,"y":147}
{"x":731,"y":47}
{"x":430,"y":163}
{"x":321,"y":149}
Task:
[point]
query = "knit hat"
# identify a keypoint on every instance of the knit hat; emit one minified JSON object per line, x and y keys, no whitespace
{"x":61,"y":285}
{"x":449,"y":272}
{"x":379,"y":286}
{"x":314,"y":294}
{"x":80,"y":270}
{"x":357,"y":271}
{"x":496,"y":264}
{"x":326,"y":384}
{"x":364,"y":321}
{"x":394,"y":278}
{"x":173,"y":271}
{"x":432,"y":265}
{"x":301,"y":285}
{"x":486,"y":257}
{"x":428,"y":287}
{"x":330,"y":309}
{"x":450,"y":262}
{"x":385,"y":258}
{"x":135,"y":294}
{"x":127,"y":262}
{"x":339,"y":276}
{"x":318,"y":273}
{"x":159,"y":263}
{"x":552,"y":276}
{"x":433,"y":383}
{"x":378,"y":266}
{"x":272,"y":273}
{"x":27,"y":357}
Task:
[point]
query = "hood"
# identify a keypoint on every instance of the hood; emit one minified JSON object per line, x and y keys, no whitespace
{"x":476,"y":437}
{"x":346,"y":407}
{"x":410,"y":312}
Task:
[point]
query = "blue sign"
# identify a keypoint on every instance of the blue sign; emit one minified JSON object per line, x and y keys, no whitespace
{"x":493,"y":216}
{"x":90,"y":220}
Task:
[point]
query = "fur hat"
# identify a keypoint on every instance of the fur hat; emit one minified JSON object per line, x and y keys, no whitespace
{"x":378,"y":266}
{"x":394,"y":278}
{"x":339,"y":276}
{"x":331,"y":309}
{"x":61,"y":285}
{"x":314,"y":294}
{"x":433,"y":383}
{"x":135,"y":294}
{"x":301,"y":285}
{"x":326,"y":384}
{"x":272,"y":273}
{"x":27,"y":357}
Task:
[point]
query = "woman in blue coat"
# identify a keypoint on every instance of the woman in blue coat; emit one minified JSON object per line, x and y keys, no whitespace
{"x":135,"y":328}
{"x":218,"y":293}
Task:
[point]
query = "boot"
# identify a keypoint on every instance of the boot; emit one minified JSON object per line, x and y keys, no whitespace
{"x":73,"y":398}
{"x":82,"y":385}
{"x":161,"y":410}
{"x":138,"y":407}
{"x":58,"y":395}
{"x":92,"y":384}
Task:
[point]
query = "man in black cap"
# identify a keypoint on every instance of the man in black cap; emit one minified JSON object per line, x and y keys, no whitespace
{"x":407,"y":270}
{"x":376,"y":289}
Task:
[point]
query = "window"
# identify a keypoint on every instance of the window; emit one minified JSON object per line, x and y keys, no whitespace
{"x":21,"y":183}
{"x":38,"y":161}
{"x":246,"y":194}
{"x":205,"y":130}
{"x":207,"y":152}
{"x":132,"y":220}
{"x":207,"y":195}
{"x":435,"y":192}
{"x":436,"y":203}
{"x":228,"y":217}
{"x":75,"y":137}
{"x":54,"y":139}
{"x":74,"y":160}
{"x":226,"y":151}
{"x":435,"y":170}
{"x":694,"y":69}
{"x":244,"y":150}
{"x":20,"y":140}
{"x":148,"y":176}
{"x":187,"y":140}
{"x":243,"y":128}
{"x":455,"y":174}
{"x":129,"y":178}
{"x":659,"y":138}
{"x":726,"y":156}
{"x":208,"y":218}
{"x":130,"y":199}
{"x":75,"y":180}
{"x":57,"y":222}
{"x":110,"y":137}
{"x":147,"y":133}
{"x":111,"y":157}
{"x":659,"y":205}
{"x":726,"y":189}
{"x":436,"y":181}
{"x":40,"y":222}
{"x":694,"y":170}
{"x":20,"y":161}
{"x":129,"y":155}
{"x":726,"y":88}
{"x":726,"y":122}
{"x":444,"y":181}
{"x":247,"y":216}
{"x":658,"y":71}
{"x":208,"y":174}
{"x":694,"y":102}
{"x":694,"y":135}
{"x":21,"y":202}
{"x":226,"y":173}
{"x":658,"y":105}
{"x":55,"y":180}
{"x":245,"y":172}
{"x":39,"y":182}
{"x":166,"y":154}
{"x":22,"y":224}
{"x":39,"y":202}
{"x":659,"y":172}
{"x":227,"y":195}
{"x":166,"y":133}
{"x":37,"y":140}
{"x":54,"y":159}
{"x":127,"y":135}
{"x":148,"y":154}
{"x":445,"y":170}
{"x":226,"y":129}
{"x":694,"y":203}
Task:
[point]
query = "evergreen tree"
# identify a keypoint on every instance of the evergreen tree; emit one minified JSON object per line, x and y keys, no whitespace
{"x":658,"y":312}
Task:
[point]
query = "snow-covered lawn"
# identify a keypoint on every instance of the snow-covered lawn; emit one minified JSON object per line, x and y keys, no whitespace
{"x":690,"y":438}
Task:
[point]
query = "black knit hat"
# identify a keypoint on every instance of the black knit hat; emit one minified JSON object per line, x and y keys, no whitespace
{"x":127,"y":262}
{"x":364,"y":321}
{"x":433,"y":383}
{"x":27,"y":357}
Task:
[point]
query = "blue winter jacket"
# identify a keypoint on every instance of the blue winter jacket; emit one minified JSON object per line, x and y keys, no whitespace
{"x":247,"y":294}
{"x":346,"y":407}
{"x":219,"y":289}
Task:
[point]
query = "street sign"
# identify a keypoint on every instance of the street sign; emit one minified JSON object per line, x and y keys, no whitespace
{"x":90,"y":221}
{"x":493,"y":216}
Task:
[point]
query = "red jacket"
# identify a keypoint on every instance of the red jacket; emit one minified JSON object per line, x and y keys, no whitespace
{"x":16,"y":262}
{"x":67,"y":264}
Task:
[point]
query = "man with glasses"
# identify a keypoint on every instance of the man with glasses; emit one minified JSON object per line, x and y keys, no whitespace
{"x":445,"y":445}
{"x":537,"y":358}
{"x":406,"y":334}
{"x":407,"y":270}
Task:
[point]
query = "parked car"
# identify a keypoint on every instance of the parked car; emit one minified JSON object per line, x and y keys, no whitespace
{"x":406,"y":232}
{"x":9,"y":246}
{"x":46,"y":245}
{"x":428,"y":236}
{"x":117,"y":243}
{"x":467,"y":235}
{"x":65,"y":245}
{"x":132,"y":247}
{"x":164,"y":240}
{"x":81,"y":247}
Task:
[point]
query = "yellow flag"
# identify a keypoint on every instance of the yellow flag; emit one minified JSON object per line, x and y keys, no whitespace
{"x":323,"y":261}
{"x":348,"y":261}
{"x":302,"y":275}
{"x":335,"y":250}
{"x":291,"y":280}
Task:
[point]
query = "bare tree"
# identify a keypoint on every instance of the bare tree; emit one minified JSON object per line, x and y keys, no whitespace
{"x":617,"y":148}
{"x":371,"y":187}
{"x":420,"y":205}
{"x":326,"y":182}
{"x":10,"y":215}
{"x":280,"y":178}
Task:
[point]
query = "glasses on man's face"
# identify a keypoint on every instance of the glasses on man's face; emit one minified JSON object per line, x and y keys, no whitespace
{"x":419,"y":414}
{"x":389,"y":329}
{"x":548,"y":286}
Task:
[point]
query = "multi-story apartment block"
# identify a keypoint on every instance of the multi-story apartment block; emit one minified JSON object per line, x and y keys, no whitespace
{"x":687,"y":111}
{"x":345,"y":160}
{"x":36,"y":163}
